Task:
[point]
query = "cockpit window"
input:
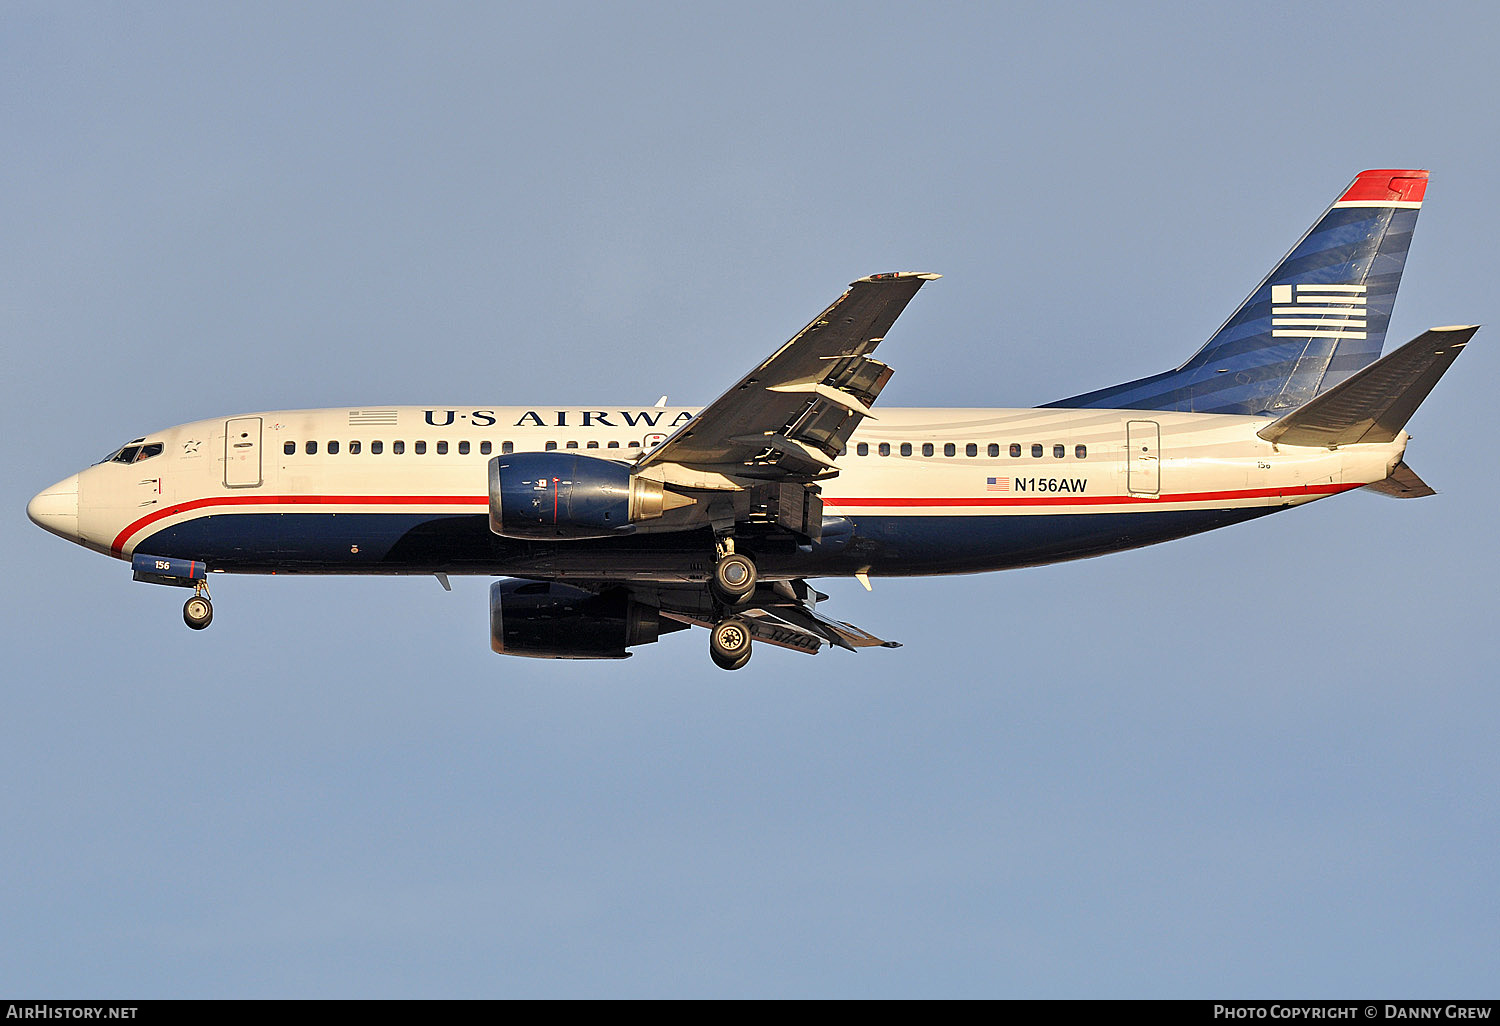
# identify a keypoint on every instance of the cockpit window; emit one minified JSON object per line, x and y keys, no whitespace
{"x":132,"y":446}
{"x":134,"y":452}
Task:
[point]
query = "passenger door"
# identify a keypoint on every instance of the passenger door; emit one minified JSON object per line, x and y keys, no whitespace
{"x":242,"y":453}
{"x":1143,"y":456}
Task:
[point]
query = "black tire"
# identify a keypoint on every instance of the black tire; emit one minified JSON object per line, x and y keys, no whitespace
{"x":729,"y":643}
{"x":734,"y":578}
{"x":729,"y":664}
{"x":197,"y":612}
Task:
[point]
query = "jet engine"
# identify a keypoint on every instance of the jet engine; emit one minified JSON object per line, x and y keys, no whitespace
{"x":553,"y":495}
{"x":546,"y":620}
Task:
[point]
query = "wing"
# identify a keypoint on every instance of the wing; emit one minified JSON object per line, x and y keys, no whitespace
{"x":790,"y":417}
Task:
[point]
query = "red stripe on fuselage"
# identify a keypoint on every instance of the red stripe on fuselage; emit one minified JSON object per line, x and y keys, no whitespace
{"x":296,"y":500}
{"x":914,"y":502}
{"x":1096,"y":500}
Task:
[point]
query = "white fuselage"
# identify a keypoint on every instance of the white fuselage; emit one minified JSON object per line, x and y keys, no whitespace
{"x":402,"y":489}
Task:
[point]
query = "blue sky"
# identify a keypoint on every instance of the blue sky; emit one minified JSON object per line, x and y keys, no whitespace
{"x":1259,"y":762}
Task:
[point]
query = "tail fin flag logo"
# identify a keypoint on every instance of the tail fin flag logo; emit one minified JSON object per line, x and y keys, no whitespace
{"x":1252,"y":365}
{"x":1318,"y":311}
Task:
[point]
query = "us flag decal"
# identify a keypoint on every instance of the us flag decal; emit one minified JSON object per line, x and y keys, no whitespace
{"x":997,"y":484}
{"x":1318,"y":311}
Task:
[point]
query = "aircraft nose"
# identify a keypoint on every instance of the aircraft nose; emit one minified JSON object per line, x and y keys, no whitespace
{"x":56,"y":509}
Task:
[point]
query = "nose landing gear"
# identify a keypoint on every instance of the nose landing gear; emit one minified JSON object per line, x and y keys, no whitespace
{"x":198,"y":611}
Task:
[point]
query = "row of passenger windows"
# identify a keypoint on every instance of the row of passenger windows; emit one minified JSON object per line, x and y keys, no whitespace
{"x":333,"y":448}
{"x":1038,"y":450}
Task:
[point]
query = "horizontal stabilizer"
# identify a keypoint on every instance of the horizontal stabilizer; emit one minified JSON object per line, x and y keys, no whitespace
{"x":1374,"y":404}
{"x":1402,"y":484}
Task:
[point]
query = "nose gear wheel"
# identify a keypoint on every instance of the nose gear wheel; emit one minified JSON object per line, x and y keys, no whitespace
{"x":198,"y":611}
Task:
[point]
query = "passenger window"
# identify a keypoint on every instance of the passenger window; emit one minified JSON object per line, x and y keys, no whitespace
{"x":420,"y":448}
{"x":634,"y":445}
{"x":572,"y":445}
{"x":1036,"y":450}
{"x":885,"y":448}
{"x":949,"y":449}
{"x":397,"y":448}
{"x":463,"y":448}
{"x":927,"y":449}
{"x":506,"y":447}
{"x":906,"y":448}
{"x":311,"y":448}
{"x":551,"y":446}
{"x":994,"y":449}
{"x":376,"y":448}
{"x":485,"y":448}
{"x":289,"y":448}
{"x":972,"y":449}
{"x":1081,"y":451}
{"x":333,"y":448}
{"x":442,"y":448}
{"x":1015,"y":450}
{"x":613,"y":445}
{"x":592,"y":445}
{"x":1059,"y":451}
{"x":353,"y":448}
{"x":862,"y":449}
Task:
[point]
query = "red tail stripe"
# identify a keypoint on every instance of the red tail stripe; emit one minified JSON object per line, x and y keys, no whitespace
{"x":1387,"y":185}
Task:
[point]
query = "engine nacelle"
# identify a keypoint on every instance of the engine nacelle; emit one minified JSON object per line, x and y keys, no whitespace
{"x":552,"y":495}
{"x":546,"y":620}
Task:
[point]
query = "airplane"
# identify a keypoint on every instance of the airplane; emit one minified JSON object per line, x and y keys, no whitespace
{"x":612,"y":526}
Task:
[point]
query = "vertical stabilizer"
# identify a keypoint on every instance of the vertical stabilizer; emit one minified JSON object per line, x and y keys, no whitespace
{"x":1318,"y":317}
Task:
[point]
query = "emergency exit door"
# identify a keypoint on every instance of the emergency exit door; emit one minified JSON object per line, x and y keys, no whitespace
{"x":1143,"y":452}
{"x":242,"y":453}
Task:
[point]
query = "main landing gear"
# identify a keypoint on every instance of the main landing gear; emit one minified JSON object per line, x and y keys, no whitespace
{"x":733,"y":583}
{"x":198,"y":611}
{"x":729,"y":643}
{"x":734,"y":578}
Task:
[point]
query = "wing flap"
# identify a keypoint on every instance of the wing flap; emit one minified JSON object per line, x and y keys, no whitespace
{"x":780,"y":614}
